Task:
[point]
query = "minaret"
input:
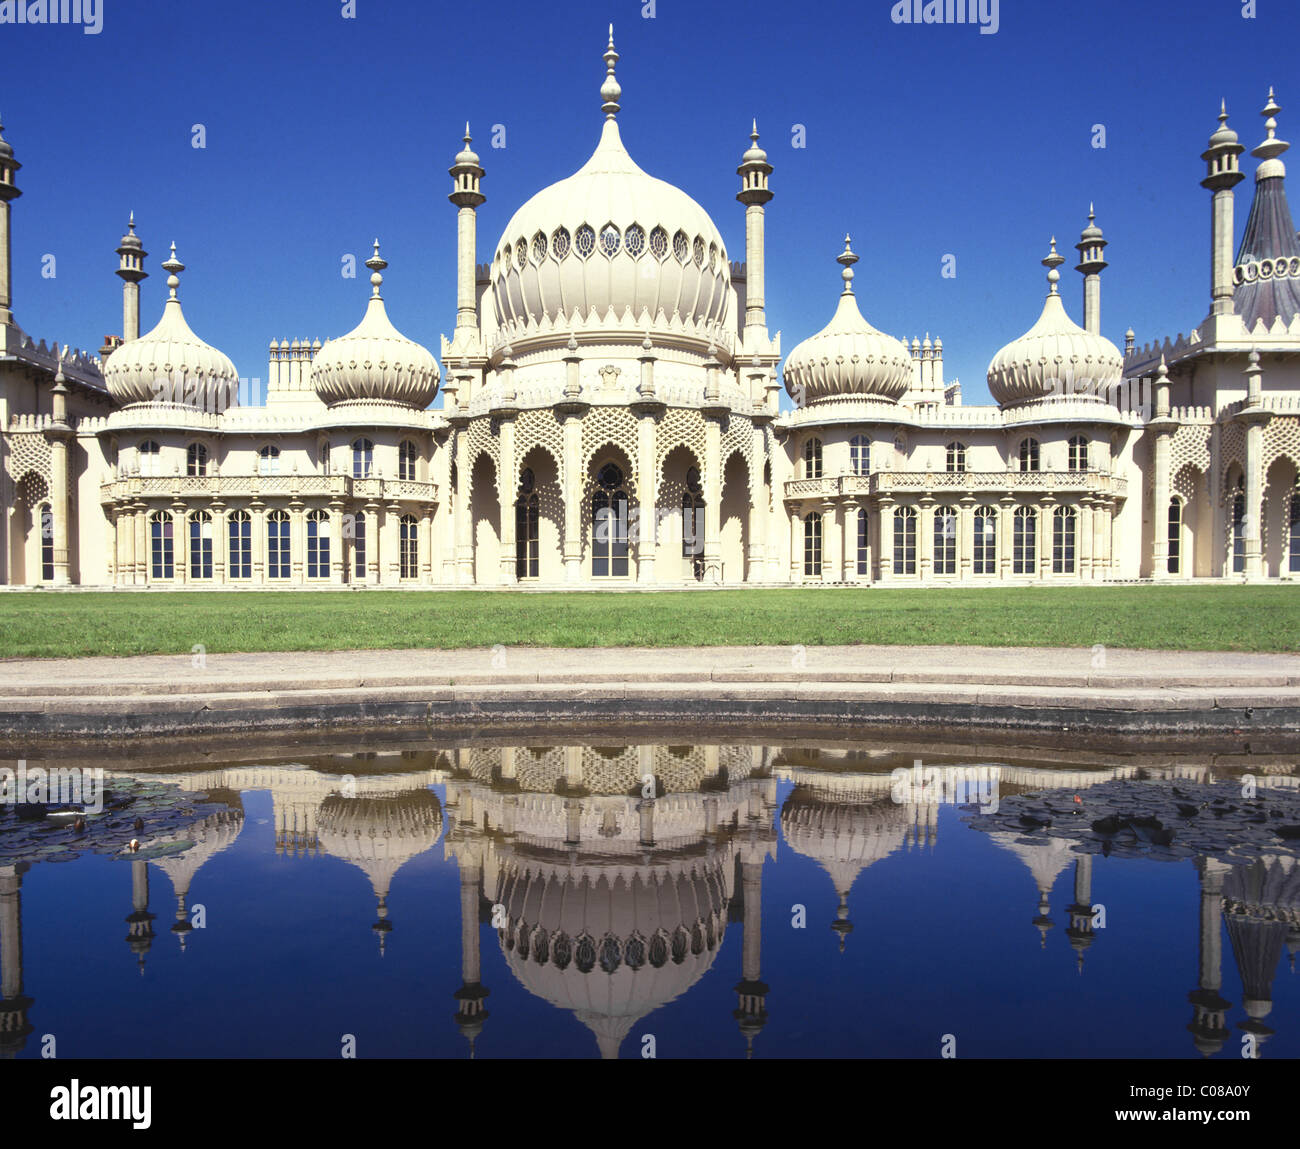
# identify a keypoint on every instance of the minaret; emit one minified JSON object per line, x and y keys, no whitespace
{"x":1091,"y":245}
{"x":1207,"y":1025}
{"x":753,"y":171}
{"x":131,"y":256}
{"x":8,"y":191}
{"x":14,"y":1026}
{"x":140,"y":935}
{"x":466,"y":174}
{"x":1222,"y":175}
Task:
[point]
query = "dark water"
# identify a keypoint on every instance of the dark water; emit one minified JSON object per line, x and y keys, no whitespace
{"x":779,"y":900}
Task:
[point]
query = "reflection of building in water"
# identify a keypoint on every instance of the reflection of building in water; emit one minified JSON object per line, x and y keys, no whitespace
{"x":612,"y":903}
{"x":210,"y":836}
{"x":14,"y":1026}
{"x":1045,"y":858}
{"x":1261,"y":904}
{"x":140,"y":933}
{"x":1209,"y":1025}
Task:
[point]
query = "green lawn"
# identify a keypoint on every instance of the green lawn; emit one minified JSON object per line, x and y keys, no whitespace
{"x":48,"y":625}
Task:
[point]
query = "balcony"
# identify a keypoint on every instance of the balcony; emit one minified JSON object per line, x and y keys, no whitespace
{"x":187,"y":487}
{"x":957,"y":483}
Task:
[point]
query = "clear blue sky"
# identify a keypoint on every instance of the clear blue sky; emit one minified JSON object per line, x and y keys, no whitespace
{"x":323,"y":132}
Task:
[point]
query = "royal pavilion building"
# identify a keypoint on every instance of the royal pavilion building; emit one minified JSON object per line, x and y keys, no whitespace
{"x":606,"y":413}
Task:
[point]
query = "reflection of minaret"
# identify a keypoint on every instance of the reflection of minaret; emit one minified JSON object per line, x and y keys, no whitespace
{"x":210,"y":836}
{"x":1259,"y":901}
{"x":1080,"y":928}
{"x":1207,"y":1025}
{"x":470,"y":1015}
{"x":1045,"y":858}
{"x":751,"y":990}
{"x":140,"y":936}
{"x":14,"y":1026}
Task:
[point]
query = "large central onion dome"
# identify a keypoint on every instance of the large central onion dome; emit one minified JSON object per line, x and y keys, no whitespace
{"x":170,"y":364}
{"x":610,"y":244}
{"x":1055,"y":357}
{"x":374,"y":361}
{"x":848,"y":357}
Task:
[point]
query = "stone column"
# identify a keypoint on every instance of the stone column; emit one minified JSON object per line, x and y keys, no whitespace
{"x":390,"y":545}
{"x":832,"y":563}
{"x":337,"y":557}
{"x":180,"y":542}
{"x":574,"y":481}
{"x":1254,"y":470}
{"x":925,"y":536}
{"x":796,"y":544}
{"x":965,"y":536}
{"x":426,"y":545}
{"x":58,"y":435}
{"x":758,"y":505}
{"x":464,"y":523}
{"x":887,"y":508}
{"x":713,"y":500}
{"x":507,"y":486}
{"x":297,"y":543}
{"x":1160,"y":504}
{"x":142,"y":554}
{"x":1085,"y":538}
{"x":1046,"y":524}
{"x":647,"y":525}
{"x":850,"y":553}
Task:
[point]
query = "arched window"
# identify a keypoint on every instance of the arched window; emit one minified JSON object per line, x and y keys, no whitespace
{"x":409,"y":542}
{"x":1175,"y":535}
{"x":363,"y":458}
{"x":860,"y":454}
{"x":985,"y":543}
{"x":945,"y":540}
{"x":200,"y":545}
{"x":1078,"y":459}
{"x":196,"y":459}
{"x":812,"y":545}
{"x":1063,"y":524}
{"x":1029,"y":455}
{"x":956,"y":456}
{"x":162,"y":546}
{"x":150,"y":460}
{"x":905,"y":541}
{"x":1024,"y":541}
{"x":1293,"y":541}
{"x":864,"y":542}
{"x":693,"y":524}
{"x":241,"y":545}
{"x":47,"y":543}
{"x":1239,"y":528}
{"x":609,"y":550}
{"x":357,"y":524}
{"x":318,"y":544}
{"x":527,"y":516}
{"x":277,"y":544}
{"x":268,"y":461}
{"x":406,"y":460}
{"x":812,"y":459}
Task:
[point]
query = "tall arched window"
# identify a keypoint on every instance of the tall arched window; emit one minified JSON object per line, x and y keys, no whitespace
{"x":409,"y":543}
{"x":864,"y":542}
{"x":150,"y":458}
{"x":956,"y":456}
{"x":860,"y":454}
{"x":318,"y":544}
{"x":527,"y":522}
{"x":945,"y":540}
{"x":609,"y":550}
{"x":200,"y":545}
{"x":1175,"y":535}
{"x":47,"y":543}
{"x":1024,"y":541}
{"x":1029,"y":455}
{"x":358,"y":528}
{"x":162,"y":546}
{"x":241,"y":545}
{"x":406,"y":460}
{"x":363,"y":458}
{"x":905,"y":541}
{"x":812,"y":545}
{"x":196,"y":459}
{"x":1078,"y":454}
{"x":1239,"y":528}
{"x":1063,"y":534}
{"x":812,"y":459}
{"x":693,"y":524}
{"x":268,"y":460}
{"x":985,"y":543}
{"x":1293,"y":542}
{"x":277,"y":544}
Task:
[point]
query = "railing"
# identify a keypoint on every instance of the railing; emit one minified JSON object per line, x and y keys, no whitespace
{"x":253,"y":486}
{"x":887,"y":482}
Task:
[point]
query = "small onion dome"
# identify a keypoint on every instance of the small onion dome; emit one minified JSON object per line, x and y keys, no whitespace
{"x":171,"y":364}
{"x":467,"y":155}
{"x":1092,"y":231}
{"x":755,"y":154}
{"x":848,"y":356}
{"x":1223,"y":134}
{"x":1054,"y":357}
{"x":6,"y":148}
{"x":375,"y":360}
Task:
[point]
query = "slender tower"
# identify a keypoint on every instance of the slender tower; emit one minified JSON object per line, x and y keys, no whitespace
{"x":753,"y":171}
{"x":466,"y":174}
{"x":8,"y":191}
{"x":1222,"y":175}
{"x":1091,"y":245}
{"x":131,"y":256}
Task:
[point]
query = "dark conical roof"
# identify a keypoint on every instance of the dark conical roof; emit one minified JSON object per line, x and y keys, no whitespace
{"x":1270,"y":234}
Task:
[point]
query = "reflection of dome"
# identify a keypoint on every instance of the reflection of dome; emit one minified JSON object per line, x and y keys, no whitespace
{"x":1045,"y":858}
{"x":1055,"y":357}
{"x":610,"y":241}
{"x":375,"y":361}
{"x":210,"y":836}
{"x":1261,"y":905}
{"x":171,"y":363}
{"x":848,"y":357}
{"x":608,"y":946}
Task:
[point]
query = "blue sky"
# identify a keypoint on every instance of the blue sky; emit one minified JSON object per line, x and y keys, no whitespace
{"x":323,"y":132}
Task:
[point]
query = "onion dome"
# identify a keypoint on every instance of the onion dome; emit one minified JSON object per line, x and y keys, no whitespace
{"x":170,"y":364}
{"x":374,"y":361}
{"x":608,"y":241}
{"x":1055,"y":357}
{"x":849,"y":357}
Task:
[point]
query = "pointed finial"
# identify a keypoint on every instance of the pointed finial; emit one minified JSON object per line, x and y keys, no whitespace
{"x":376,"y":263}
{"x":1271,"y":147}
{"x":753,"y":131}
{"x":467,"y":137}
{"x":1092,"y":215}
{"x":173,"y":267}
{"x":130,"y":223}
{"x":846,"y":259}
{"x":1052,"y":260}
{"x":1223,"y":110}
{"x":610,"y":90}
